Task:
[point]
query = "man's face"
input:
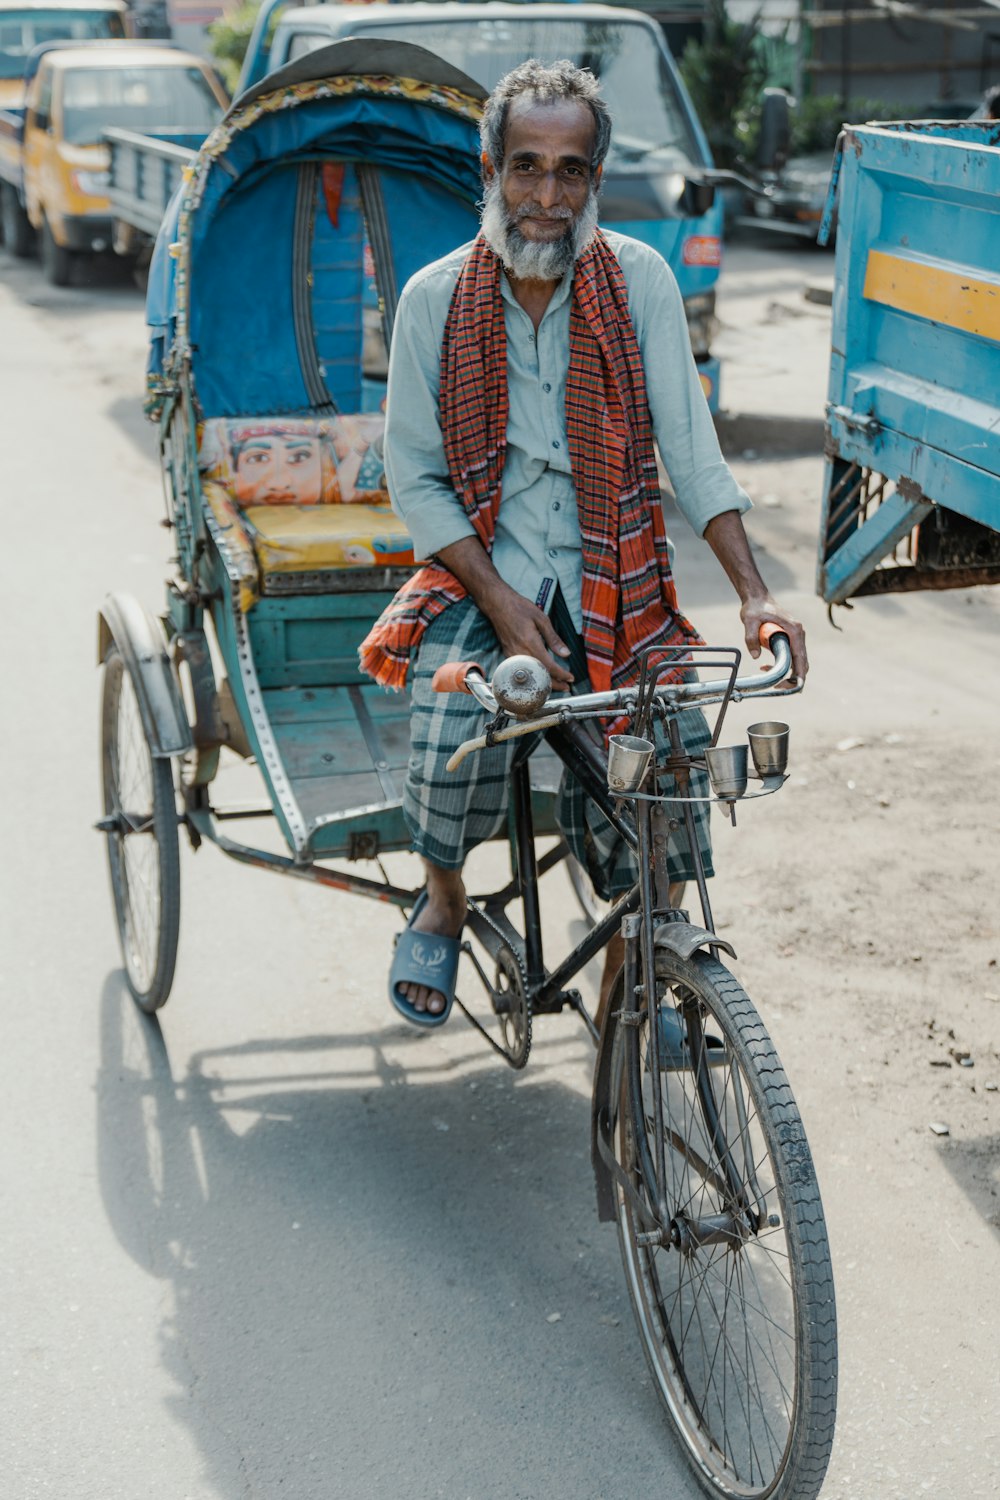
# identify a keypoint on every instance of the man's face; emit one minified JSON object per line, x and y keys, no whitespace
{"x":546,"y":177}
{"x":279,"y":469}
{"x":540,"y":206}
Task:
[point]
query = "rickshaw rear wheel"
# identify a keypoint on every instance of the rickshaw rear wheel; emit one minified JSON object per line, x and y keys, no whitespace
{"x":594,"y":909}
{"x":140,"y":819}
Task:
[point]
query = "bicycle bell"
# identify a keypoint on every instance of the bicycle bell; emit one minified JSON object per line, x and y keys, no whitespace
{"x":521,"y":685}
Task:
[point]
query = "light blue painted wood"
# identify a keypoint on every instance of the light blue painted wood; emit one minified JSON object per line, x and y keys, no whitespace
{"x":893,"y":519}
{"x":933,"y":390}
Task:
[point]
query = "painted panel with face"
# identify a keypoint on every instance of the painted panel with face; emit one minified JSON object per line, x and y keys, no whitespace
{"x":295,"y":460}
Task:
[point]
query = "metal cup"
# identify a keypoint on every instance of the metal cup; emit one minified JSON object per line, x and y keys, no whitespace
{"x":628,"y":762}
{"x":769,"y":747}
{"x":727,"y":769}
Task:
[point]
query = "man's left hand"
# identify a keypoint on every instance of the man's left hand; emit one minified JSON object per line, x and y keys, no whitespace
{"x":762,"y":610}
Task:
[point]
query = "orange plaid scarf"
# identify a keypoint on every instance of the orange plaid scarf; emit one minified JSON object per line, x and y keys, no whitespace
{"x":629,"y":601}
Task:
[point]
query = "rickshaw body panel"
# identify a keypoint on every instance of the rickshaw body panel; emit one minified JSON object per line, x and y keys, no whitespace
{"x":915,"y":364}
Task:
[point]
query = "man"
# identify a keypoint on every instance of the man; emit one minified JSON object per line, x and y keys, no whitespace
{"x":528,"y":377}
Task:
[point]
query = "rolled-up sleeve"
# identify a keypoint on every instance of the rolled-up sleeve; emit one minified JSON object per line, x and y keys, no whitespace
{"x":703,"y":484}
{"x":416,"y":470}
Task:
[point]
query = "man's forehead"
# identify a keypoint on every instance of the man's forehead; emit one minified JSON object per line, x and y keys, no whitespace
{"x":563,"y":127}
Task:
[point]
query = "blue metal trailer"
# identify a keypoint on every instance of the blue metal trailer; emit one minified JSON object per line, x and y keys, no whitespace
{"x":912,"y":486}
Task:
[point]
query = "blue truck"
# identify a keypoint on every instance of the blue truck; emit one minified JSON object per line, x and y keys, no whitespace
{"x":659,"y":181}
{"x":911,"y":495}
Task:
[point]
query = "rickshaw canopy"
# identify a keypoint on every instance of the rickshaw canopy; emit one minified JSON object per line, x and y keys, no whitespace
{"x":276,"y":273}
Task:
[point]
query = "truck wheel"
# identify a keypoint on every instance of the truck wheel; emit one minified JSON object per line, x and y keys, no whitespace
{"x":57,"y":260}
{"x":19,"y":237}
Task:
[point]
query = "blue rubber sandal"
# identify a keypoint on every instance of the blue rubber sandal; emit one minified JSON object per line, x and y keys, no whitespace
{"x":423,"y":958}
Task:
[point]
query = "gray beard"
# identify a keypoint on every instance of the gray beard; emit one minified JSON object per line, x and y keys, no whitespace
{"x":531,"y":260}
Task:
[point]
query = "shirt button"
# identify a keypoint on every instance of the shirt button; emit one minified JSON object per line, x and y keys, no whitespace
{"x":555,"y":443}
{"x":552,"y":552}
{"x":555,"y":504}
{"x":546,"y":386}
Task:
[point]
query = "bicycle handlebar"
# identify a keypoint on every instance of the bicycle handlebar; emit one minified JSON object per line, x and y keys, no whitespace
{"x":468,"y":677}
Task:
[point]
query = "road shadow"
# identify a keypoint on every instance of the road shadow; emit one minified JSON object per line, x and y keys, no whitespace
{"x":364,"y":1260}
{"x":90,"y":273}
{"x":975,"y":1166}
{"x":699,"y":573}
{"x":127,"y":414}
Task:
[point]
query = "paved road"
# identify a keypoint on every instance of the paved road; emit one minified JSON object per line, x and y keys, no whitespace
{"x":285,"y":1247}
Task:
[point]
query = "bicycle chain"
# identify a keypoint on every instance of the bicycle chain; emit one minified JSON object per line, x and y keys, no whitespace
{"x":517,"y":1062}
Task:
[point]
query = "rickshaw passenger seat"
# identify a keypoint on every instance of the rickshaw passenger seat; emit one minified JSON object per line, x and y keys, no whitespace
{"x":301,"y":495}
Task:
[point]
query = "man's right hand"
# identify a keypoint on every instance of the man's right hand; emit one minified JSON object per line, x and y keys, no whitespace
{"x":525,"y":630}
{"x":522,"y":628}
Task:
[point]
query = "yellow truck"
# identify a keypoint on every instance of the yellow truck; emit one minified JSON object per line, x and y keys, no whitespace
{"x":53,"y":155}
{"x":25,"y":24}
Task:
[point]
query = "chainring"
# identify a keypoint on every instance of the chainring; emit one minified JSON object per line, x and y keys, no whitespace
{"x":509,"y":998}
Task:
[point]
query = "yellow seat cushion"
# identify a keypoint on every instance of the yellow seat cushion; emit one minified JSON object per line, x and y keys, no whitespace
{"x":308,"y":538}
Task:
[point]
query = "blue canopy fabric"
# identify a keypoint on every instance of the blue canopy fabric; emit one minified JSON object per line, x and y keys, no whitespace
{"x":262,"y":270}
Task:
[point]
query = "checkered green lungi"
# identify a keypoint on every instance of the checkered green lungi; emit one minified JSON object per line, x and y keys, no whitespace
{"x":450,"y":812}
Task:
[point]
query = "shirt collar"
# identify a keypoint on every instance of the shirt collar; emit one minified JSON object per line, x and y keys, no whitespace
{"x":559,"y":296}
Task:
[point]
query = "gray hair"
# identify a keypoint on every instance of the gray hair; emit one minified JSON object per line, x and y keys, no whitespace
{"x":549,"y":83}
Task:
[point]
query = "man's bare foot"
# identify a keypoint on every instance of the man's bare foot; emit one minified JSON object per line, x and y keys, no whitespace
{"x":442,"y":916}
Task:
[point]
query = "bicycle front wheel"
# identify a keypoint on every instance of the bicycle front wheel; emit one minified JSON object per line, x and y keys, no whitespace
{"x":733,"y":1293}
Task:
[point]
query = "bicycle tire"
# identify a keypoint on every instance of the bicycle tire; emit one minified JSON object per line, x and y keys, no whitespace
{"x":742,"y":1438}
{"x":590,"y":903}
{"x":145,"y":878}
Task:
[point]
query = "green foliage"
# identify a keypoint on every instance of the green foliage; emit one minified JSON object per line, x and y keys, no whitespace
{"x":817,"y":122}
{"x":229,"y":38}
{"x":724,"y":73}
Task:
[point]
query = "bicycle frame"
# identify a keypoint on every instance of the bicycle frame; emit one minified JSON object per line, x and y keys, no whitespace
{"x":647,"y":830}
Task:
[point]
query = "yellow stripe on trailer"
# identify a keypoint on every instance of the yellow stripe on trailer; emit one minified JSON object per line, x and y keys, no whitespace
{"x":939,"y":293}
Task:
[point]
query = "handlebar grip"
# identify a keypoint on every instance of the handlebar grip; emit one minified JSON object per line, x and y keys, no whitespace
{"x":451,"y":678}
{"x":767,"y":633}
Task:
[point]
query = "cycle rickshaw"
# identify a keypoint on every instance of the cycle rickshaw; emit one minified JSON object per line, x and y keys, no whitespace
{"x":271,"y":303}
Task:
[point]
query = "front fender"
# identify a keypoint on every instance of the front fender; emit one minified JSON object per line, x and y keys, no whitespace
{"x":684,"y":939}
{"x":122,"y":621}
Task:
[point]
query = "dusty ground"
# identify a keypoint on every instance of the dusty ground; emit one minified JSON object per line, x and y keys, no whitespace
{"x":863,"y":904}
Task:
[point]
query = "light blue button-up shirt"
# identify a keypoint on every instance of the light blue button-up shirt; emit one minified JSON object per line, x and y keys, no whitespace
{"x":537,"y":531}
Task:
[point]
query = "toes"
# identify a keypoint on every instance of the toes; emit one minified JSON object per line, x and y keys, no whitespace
{"x":414,"y":995}
{"x":422,"y":999}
